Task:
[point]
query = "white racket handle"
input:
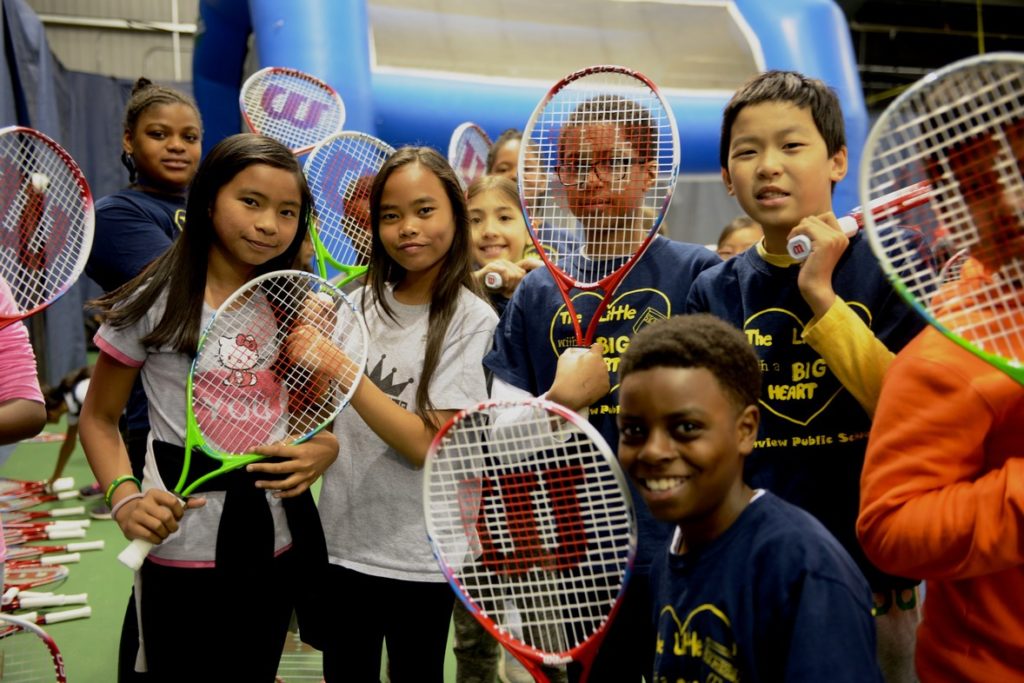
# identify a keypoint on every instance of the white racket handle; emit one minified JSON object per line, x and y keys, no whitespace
{"x":66,"y":558}
{"x":800,"y":246}
{"x":32,"y":602}
{"x":135,"y":554}
{"x":85,"y":545}
{"x":67,"y":615}
{"x":63,"y":484}
{"x":67,"y":495}
{"x":493,"y":281}
{"x":61,"y":532}
{"x":69,"y":524}
{"x":69,"y":512}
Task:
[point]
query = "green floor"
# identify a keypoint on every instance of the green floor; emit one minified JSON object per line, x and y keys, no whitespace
{"x":90,"y":645}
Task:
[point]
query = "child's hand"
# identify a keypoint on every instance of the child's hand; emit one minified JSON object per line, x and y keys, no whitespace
{"x":511,"y":275}
{"x":827,"y":246}
{"x":318,"y":311}
{"x":155,"y":516}
{"x":581,"y":378}
{"x":529,"y":264}
{"x":307,"y":347}
{"x":304,"y":463}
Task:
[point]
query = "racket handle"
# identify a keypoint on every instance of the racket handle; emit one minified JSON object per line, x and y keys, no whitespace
{"x":799,"y":247}
{"x":69,"y":524}
{"x":63,"y":484}
{"x":61,"y":532}
{"x":135,"y":554}
{"x":493,"y":281}
{"x":53,"y":600}
{"x":68,"y":614}
{"x":69,"y":512}
{"x":67,"y":558}
{"x":85,"y":545}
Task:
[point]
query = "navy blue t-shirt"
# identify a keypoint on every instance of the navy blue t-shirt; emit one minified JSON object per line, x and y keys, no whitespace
{"x":132,"y":229}
{"x":774,"y":598}
{"x":813,"y":433}
{"x":535,"y":329}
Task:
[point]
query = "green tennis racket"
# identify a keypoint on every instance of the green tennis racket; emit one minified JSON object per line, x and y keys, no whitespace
{"x":340,"y":173}
{"x":957,"y":258}
{"x":243,"y":390}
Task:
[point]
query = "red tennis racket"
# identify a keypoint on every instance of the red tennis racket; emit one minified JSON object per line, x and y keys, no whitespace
{"x":19,"y":535}
{"x":296,"y":109}
{"x":26,"y":575}
{"x":28,"y":653}
{"x":605,"y":140}
{"x":46,"y":222}
{"x":54,"y":516}
{"x":531,"y":522}
{"x":32,"y":499}
{"x":14,"y":488}
{"x":67,"y":550}
{"x":467,"y":152}
{"x":881,"y":209}
{"x":18,"y":600}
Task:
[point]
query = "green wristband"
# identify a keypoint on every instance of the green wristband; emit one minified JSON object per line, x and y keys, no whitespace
{"x":117,"y":482}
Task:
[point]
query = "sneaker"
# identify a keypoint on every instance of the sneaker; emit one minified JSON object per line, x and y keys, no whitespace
{"x":101,"y":511}
{"x":91,"y":491}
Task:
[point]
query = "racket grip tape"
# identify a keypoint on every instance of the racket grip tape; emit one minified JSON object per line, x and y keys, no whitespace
{"x":66,"y":558}
{"x":63,"y":532}
{"x":493,"y":281}
{"x":799,"y":247}
{"x":33,"y":602}
{"x":135,"y":554}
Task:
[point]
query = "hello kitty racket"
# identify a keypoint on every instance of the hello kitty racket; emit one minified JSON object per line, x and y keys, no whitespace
{"x":243,"y":390}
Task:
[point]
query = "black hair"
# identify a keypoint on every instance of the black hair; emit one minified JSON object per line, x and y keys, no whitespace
{"x":506,"y":136}
{"x":699,"y":340}
{"x":146,"y":94}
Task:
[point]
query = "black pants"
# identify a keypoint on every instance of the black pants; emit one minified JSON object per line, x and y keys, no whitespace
{"x":627,"y":652}
{"x":135,"y":442}
{"x":411,"y":616}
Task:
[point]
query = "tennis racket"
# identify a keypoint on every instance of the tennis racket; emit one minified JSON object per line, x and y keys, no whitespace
{"x":340,"y":173}
{"x":27,"y":517}
{"x":15,"y":488}
{"x":32,"y":552}
{"x":606,"y":141}
{"x":28,"y":653}
{"x":242,"y":391}
{"x":26,"y":575}
{"x":56,"y":617}
{"x":960,"y":130}
{"x":531,"y":522}
{"x":19,"y":535}
{"x":467,"y":152}
{"x":32,"y":499}
{"x":296,"y":109}
{"x":24,"y":600}
{"x":881,"y":209}
{"x":47,"y":526}
{"x":46,"y":222}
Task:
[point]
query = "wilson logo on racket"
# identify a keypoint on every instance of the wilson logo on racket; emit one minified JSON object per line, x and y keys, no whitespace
{"x":516,"y":492}
{"x":295,"y":108}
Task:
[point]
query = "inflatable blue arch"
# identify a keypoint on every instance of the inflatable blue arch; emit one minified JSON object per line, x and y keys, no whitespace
{"x":410,"y":72}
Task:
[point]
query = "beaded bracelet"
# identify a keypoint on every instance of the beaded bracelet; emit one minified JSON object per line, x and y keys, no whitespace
{"x":117,"y":482}
{"x":127,"y":499}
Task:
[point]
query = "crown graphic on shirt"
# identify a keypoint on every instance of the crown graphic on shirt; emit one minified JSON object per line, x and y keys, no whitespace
{"x":387,"y":384}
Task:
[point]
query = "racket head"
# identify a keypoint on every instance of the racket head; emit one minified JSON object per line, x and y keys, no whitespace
{"x":340,"y":173}
{"x":46,"y":222}
{"x":244,"y":390}
{"x":293,"y":107}
{"x":28,"y":653}
{"x":33,"y":574}
{"x":957,"y":258}
{"x":531,"y":521}
{"x":467,"y":152}
{"x":598,"y":165}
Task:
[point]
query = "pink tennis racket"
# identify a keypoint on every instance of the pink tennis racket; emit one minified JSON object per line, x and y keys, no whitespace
{"x":467,"y":152}
{"x":531,"y":522}
{"x":46,"y":222}
{"x":296,"y":109}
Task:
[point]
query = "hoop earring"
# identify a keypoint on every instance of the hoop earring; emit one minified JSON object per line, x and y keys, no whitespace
{"x":128,"y":161}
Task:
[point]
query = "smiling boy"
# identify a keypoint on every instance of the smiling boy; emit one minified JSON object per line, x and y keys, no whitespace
{"x":824,"y":330}
{"x":752,"y":588}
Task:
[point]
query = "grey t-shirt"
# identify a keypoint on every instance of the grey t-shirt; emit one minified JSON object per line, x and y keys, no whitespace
{"x":164,"y":377}
{"x":371,"y":502}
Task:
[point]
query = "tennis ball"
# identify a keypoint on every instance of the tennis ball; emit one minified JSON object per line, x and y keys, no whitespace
{"x":40,"y":182}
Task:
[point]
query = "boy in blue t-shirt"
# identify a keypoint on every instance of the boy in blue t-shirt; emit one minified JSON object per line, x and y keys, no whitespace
{"x":605,"y":167}
{"x":751,"y":588}
{"x":825,"y":330}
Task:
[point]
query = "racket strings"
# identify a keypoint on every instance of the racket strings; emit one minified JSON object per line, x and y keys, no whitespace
{"x":340,"y":174}
{"x":294,"y":108}
{"x":246,"y":392}
{"x":25,"y":657}
{"x":533,"y":522}
{"x":44,"y":215}
{"x":961,"y":256}
{"x":598,"y":166}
